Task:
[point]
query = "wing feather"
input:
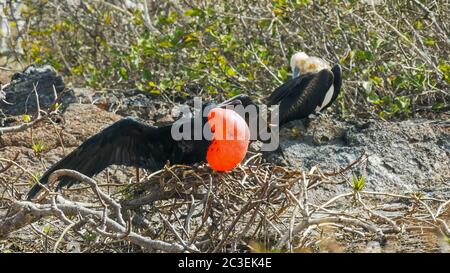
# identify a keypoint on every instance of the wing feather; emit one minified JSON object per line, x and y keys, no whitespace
{"x":304,"y":97}
{"x":127,"y":142}
{"x":288,"y":88}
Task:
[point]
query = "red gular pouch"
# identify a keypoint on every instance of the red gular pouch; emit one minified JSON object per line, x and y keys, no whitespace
{"x":230,"y":140}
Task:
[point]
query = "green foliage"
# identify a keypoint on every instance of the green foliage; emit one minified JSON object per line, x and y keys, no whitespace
{"x":364,"y":55}
{"x":35,"y":178}
{"x":391,"y":106}
{"x":447,"y":239}
{"x":26,"y":118}
{"x":445,"y":68}
{"x":220,"y":49}
{"x":358,"y":183}
{"x":418,"y":195}
{"x":56,"y":106}
{"x":429,"y":42}
{"x":46,"y":229}
{"x":38,"y":147}
{"x":90,"y":237}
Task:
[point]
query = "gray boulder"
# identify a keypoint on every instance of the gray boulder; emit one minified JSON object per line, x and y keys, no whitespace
{"x":402,"y":157}
{"x":18,"y":96}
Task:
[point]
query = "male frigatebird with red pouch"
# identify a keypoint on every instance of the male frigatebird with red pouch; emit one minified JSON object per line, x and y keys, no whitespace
{"x":133,"y":143}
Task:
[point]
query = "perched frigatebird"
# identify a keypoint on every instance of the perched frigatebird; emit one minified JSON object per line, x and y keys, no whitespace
{"x":313,"y":88}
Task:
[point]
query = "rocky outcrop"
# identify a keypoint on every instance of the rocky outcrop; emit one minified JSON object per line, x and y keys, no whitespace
{"x":403,"y":157}
{"x":19,"y":96}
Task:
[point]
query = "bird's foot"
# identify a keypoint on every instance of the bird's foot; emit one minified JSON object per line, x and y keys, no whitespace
{"x":314,"y":118}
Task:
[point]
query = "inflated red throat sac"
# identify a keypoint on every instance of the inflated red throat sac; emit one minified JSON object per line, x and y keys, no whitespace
{"x":230,"y":140}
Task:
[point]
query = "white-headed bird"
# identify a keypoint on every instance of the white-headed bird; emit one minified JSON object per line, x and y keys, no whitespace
{"x":314,"y":87}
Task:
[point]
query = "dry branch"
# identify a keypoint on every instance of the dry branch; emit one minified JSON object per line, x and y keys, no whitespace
{"x":191,"y":209}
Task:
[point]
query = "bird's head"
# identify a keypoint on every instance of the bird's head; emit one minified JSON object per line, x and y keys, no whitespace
{"x":315,"y":64}
{"x":302,"y":63}
{"x":298,"y":62}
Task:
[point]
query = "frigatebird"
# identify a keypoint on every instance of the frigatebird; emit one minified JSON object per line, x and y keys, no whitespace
{"x":308,"y":93}
{"x":133,"y":143}
{"x":130,"y":142}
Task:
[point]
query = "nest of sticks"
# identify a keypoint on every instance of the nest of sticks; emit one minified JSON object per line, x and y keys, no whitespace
{"x":257,"y":207}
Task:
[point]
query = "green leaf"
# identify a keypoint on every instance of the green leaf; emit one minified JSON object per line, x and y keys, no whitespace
{"x":38,"y":147}
{"x":447,"y":239}
{"x":418,"y":24}
{"x":438,"y":105}
{"x":46,"y":229}
{"x":123,"y":73}
{"x":364,"y":55}
{"x":377,"y":80}
{"x":282,"y":74}
{"x":429,"y":42}
{"x":400,"y":82}
{"x":165,"y":44}
{"x":26,"y":118}
{"x":193,"y":12}
{"x":191,"y":37}
{"x":36,"y":177}
{"x":230,"y":71}
{"x":445,"y":68}
{"x":374,"y":99}
{"x":403,"y":103}
{"x":166,"y":20}
{"x":91,"y":237}
{"x":419,"y":195}
{"x":56,"y":106}
{"x":358,"y":183}
{"x":146,"y":74}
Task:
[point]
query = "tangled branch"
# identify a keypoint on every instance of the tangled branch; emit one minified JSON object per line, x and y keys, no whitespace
{"x":184,"y":208}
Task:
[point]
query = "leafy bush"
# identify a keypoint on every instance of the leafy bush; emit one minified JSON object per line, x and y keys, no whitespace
{"x":394,"y":57}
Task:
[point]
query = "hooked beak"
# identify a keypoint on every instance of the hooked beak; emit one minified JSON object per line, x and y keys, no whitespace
{"x":296,"y":72}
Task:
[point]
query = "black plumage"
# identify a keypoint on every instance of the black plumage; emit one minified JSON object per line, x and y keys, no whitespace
{"x":132,"y":143}
{"x":337,"y":84}
{"x":304,"y":95}
{"x":128,"y":142}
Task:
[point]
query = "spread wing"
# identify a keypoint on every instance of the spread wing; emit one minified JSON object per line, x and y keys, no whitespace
{"x":126,"y":142}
